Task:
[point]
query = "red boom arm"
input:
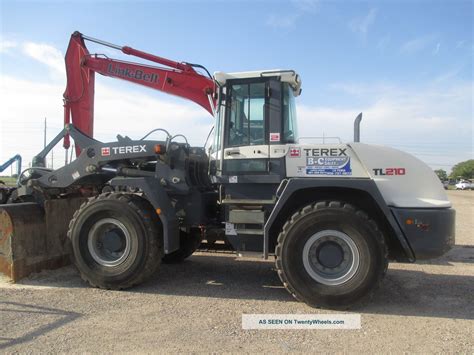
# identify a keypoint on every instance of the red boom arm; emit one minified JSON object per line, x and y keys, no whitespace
{"x":179,"y":79}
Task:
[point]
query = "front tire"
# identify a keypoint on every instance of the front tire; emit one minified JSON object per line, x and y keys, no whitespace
{"x":116,"y":240}
{"x":330,"y":255}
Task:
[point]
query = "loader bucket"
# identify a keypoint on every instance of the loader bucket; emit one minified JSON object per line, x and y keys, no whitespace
{"x":34,"y":238}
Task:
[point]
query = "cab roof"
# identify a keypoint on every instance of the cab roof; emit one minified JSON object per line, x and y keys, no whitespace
{"x":287,"y":76}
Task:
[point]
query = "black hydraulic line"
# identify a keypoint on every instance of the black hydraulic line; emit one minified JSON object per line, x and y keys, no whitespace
{"x":129,"y":172}
{"x":135,"y":172}
{"x":202,"y":67}
{"x":179,"y":135}
{"x":156,"y":130}
{"x":208,"y":136}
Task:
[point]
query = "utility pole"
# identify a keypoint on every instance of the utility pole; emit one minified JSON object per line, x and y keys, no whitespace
{"x":44,"y":134}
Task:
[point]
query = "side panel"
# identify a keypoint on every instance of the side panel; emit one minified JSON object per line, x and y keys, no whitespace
{"x":403,"y":180}
{"x":323,"y":160}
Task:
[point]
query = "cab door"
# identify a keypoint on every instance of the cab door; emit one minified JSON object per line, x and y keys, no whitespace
{"x":246,"y":141}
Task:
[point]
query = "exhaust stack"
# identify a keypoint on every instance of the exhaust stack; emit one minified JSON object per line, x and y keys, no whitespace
{"x":357,"y":127}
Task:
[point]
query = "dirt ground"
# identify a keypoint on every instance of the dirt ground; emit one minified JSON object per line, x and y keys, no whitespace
{"x":197,"y":307}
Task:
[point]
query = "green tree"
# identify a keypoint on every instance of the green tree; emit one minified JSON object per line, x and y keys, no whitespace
{"x":463,"y":169}
{"x":441,"y":174}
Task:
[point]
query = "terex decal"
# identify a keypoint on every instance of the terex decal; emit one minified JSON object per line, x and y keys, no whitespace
{"x":132,"y":74}
{"x":326,"y":152}
{"x":106,"y":151}
{"x":389,"y":171}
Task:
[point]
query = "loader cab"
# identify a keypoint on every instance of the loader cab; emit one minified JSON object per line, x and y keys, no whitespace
{"x":255,"y":128}
{"x":255,"y":120}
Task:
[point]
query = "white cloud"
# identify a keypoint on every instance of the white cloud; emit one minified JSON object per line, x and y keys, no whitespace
{"x":310,"y":6}
{"x":460,"y":44}
{"x":289,"y":19}
{"x":383,"y":43}
{"x":282,"y":21}
{"x":46,"y":54}
{"x":6,"y":45}
{"x":448,"y":75}
{"x":417,"y":44}
{"x":361,"y":25}
{"x":436,"y":50}
{"x":135,"y":113}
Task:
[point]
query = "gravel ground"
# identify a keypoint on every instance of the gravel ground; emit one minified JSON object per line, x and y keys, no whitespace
{"x":197,"y":306}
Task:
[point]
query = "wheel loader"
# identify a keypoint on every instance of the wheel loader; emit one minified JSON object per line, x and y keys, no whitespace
{"x":332,"y":215}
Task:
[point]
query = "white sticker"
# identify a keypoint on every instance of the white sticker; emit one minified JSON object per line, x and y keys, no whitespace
{"x":229,"y":229}
{"x":233,"y":179}
{"x":76,"y":175}
{"x":274,"y":137}
{"x":301,"y":321}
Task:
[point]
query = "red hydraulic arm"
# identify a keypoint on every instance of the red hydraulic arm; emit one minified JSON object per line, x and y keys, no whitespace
{"x":180,"y":79}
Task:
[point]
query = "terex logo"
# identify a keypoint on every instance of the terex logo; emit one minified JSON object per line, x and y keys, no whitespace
{"x":132,"y":74}
{"x":389,"y":171}
{"x":124,"y":150}
{"x":326,"y":152}
{"x":129,"y":149}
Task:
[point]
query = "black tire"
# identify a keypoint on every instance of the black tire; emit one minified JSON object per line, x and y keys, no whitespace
{"x":318,"y":237}
{"x":125,"y":223}
{"x":188,"y":244}
{"x":3,"y":195}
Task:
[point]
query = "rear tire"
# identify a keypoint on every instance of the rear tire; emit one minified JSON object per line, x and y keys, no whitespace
{"x":330,"y":255}
{"x":116,"y":240}
{"x":188,"y":244}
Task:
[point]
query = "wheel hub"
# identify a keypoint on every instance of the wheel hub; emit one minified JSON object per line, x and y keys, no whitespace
{"x":109,"y":242}
{"x":330,"y":254}
{"x":330,"y":257}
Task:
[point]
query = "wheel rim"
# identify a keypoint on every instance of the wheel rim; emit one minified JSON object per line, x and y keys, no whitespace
{"x":331,"y":257}
{"x":109,"y":242}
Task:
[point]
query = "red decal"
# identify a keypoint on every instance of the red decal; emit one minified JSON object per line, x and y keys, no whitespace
{"x":274,"y":137}
{"x":295,"y":152}
{"x":105,"y":152}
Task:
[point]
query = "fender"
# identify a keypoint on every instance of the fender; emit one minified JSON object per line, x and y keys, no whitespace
{"x":159,"y":199}
{"x":366,"y":185}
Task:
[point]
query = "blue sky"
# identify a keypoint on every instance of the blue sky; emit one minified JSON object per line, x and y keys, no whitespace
{"x":407,"y":65}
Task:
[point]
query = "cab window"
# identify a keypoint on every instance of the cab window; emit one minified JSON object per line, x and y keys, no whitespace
{"x":246,"y":115}
{"x":290,"y":129}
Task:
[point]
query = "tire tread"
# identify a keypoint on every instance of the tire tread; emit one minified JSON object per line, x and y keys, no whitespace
{"x":155,"y":248}
{"x":303,"y":212}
